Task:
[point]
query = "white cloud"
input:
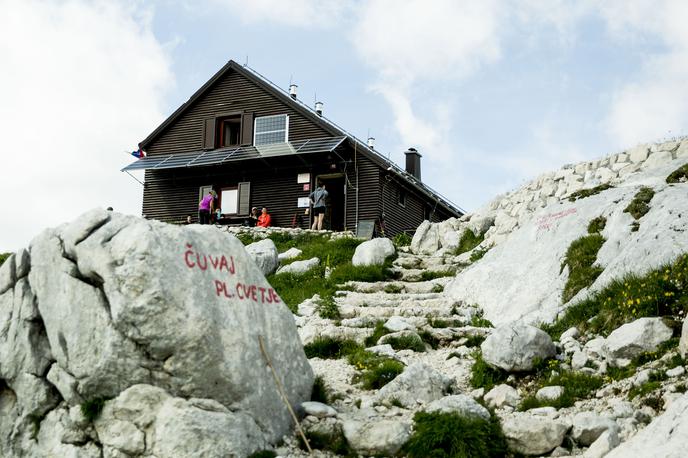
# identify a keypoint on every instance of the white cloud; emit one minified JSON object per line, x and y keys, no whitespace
{"x":82,"y":82}
{"x":654,"y":103}
{"x":296,"y":13}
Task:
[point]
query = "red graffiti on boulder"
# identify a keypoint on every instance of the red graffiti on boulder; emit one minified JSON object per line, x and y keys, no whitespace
{"x":241,"y":291}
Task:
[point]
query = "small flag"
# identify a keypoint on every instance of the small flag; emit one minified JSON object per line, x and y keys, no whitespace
{"x":139,"y":154}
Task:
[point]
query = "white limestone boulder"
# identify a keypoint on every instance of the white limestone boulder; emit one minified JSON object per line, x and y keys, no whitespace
{"x":502,"y":395}
{"x":665,"y":436}
{"x":375,"y":436}
{"x":460,"y":404}
{"x":516,"y":347}
{"x":318,"y":409}
{"x":533,"y":435}
{"x":418,"y":383}
{"x":299,"y":267}
{"x":114,"y":301}
{"x":549,"y":393}
{"x":397,"y":323}
{"x":264,"y":254}
{"x":603,"y":445}
{"x":426,"y":239}
{"x":588,"y":426}
{"x":632,"y":339}
{"x":373,"y":252}
{"x":291,"y":253}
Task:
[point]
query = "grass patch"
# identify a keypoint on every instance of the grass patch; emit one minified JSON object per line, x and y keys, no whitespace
{"x":474,"y":341}
{"x":330,"y":348}
{"x":661,"y":292}
{"x":393,"y":289}
{"x":379,"y":331}
{"x":485,"y":376}
{"x":640,"y":204}
{"x":450,"y":435}
{"x":327,"y":308}
{"x":580,"y":257}
{"x":407,"y":342}
{"x":437,"y":289}
{"x":619,"y":373}
{"x":427,"y":337}
{"x":401,"y":239}
{"x":680,"y":175}
{"x":597,"y":225}
{"x":468,"y":241}
{"x":263,"y":454}
{"x":320,"y":392}
{"x":376,"y":371}
{"x":3,"y":257}
{"x":92,"y":409}
{"x":644,"y":389}
{"x":428,"y":275}
{"x":335,"y":443}
{"x":294,"y":289}
{"x":442,"y":323}
{"x":583,"y":193}
{"x":577,"y":385}
{"x":478,"y":321}
{"x":478,"y":254}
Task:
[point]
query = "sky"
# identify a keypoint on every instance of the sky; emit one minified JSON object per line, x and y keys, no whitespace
{"x":491,"y":92}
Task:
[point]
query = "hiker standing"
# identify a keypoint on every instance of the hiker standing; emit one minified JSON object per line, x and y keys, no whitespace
{"x":318,"y":199}
{"x":206,"y":206}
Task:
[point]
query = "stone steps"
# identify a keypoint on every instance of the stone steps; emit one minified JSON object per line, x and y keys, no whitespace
{"x":430,"y":286}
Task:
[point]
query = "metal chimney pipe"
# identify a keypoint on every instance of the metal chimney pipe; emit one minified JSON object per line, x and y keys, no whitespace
{"x":319,"y":108}
{"x":413,"y":162}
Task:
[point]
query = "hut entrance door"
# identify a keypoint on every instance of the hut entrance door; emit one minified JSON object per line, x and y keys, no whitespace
{"x":334,"y":184}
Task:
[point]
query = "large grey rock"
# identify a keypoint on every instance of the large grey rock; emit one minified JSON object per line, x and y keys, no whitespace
{"x":502,"y":395}
{"x":113,"y":301}
{"x":549,"y":393}
{"x":291,"y":253}
{"x":460,"y":404}
{"x":683,"y":343}
{"x":665,"y":436}
{"x":397,"y":323}
{"x":418,"y":383}
{"x":632,"y":339}
{"x":516,"y":347}
{"x":299,"y":267}
{"x":264,"y":254}
{"x":531,"y":435}
{"x":426,"y":239}
{"x":318,"y":409}
{"x":603,"y":445}
{"x":374,"y":436}
{"x":373,"y":252}
{"x":588,"y":426}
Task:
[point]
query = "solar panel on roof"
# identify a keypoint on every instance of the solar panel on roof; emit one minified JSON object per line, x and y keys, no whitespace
{"x":145,"y":163}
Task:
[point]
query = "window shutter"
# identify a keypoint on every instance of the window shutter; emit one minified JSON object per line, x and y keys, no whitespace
{"x":244,"y":195}
{"x":247,"y":129}
{"x":209,"y":134}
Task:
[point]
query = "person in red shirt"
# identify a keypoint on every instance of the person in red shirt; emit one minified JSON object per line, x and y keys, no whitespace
{"x":264,"y":219}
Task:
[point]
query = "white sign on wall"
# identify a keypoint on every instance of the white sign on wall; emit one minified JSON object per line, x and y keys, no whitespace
{"x":302,"y":202}
{"x":303,"y":178}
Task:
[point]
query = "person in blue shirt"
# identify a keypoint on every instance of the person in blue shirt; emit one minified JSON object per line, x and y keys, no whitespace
{"x":318,"y":199}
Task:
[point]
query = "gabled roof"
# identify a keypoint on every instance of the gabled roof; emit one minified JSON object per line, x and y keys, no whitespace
{"x":310,"y":114}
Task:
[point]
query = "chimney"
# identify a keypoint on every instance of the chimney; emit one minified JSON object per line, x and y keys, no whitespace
{"x":292,"y":90}
{"x":319,"y":108}
{"x":413,"y":162}
{"x":371,"y":142}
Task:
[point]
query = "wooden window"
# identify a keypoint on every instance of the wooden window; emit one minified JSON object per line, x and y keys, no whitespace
{"x":401,"y":197}
{"x":229,"y":201}
{"x":244,"y":198}
{"x":228,"y":131}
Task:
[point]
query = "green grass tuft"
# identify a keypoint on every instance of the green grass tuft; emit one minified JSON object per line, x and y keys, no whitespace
{"x":680,"y":175}
{"x":640,"y":204}
{"x":485,"y":376}
{"x":478,"y":254}
{"x":577,"y":385}
{"x":580,"y":258}
{"x":91,"y":409}
{"x":660,"y":292}
{"x":468,"y":241}
{"x":377,"y":371}
{"x":450,"y":435}
{"x":330,"y":348}
{"x":406,"y":342}
{"x":401,"y":239}
{"x":393,"y":289}
{"x":428,"y":275}
{"x":379,"y":331}
{"x":596,"y":225}
{"x":478,"y":321}
{"x":3,"y":257}
{"x":320,"y":392}
{"x":583,"y":193}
